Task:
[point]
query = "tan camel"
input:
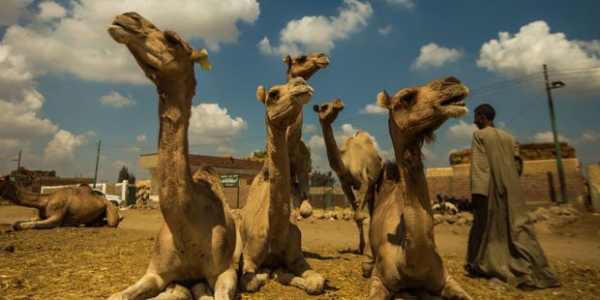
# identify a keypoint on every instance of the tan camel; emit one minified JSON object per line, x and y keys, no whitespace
{"x":401,"y":236}
{"x":301,"y":66}
{"x":197,"y":241}
{"x":357,"y":164}
{"x":271,"y":238}
{"x":70,"y":206}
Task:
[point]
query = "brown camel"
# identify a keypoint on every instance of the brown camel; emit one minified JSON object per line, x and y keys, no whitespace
{"x":357,"y":164}
{"x":70,"y":206}
{"x":301,"y":66}
{"x":401,"y":236}
{"x":197,"y":241}
{"x":270,"y":236}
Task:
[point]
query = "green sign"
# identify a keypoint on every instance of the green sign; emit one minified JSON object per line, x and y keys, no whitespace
{"x":230,"y":179}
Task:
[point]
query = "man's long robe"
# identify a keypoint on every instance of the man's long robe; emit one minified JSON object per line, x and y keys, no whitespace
{"x":502,"y":243}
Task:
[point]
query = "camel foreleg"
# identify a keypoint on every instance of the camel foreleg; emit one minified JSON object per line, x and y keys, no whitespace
{"x":51,"y":222}
{"x":225,"y":285}
{"x":305,"y":277}
{"x":150,"y":285}
{"x":377,"y":290}
{"x":452,"y":290}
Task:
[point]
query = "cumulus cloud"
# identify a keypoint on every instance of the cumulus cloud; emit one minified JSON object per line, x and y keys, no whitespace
{"x":372,"y":109}
{"x":141,"y":138}
{"x":211,"y":125}
{"x":62,"y":147}
{"x":11,"y":9}
{"x":524,"y":53}
{"x":116,"y":100}
{"x":434,"y":56}
{"x":461,"y":131}
{"x":385,"y":30}
{"x":319,"y":33}
{"x":547,"y":137}
{"x":19,"y":120}
{"x":404,"y":3}
{"x":76,"y":41}
{"x":51,"y":10}
{"x":310,"y":128}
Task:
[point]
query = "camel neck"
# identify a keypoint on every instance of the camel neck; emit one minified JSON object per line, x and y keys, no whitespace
{"x":333,"y":152}
{"x":24,"y":198}
{"x":175,"y":179}
{"x":279,"y":184}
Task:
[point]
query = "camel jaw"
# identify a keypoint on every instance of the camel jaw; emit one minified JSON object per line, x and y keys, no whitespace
{"x":454,"y":105}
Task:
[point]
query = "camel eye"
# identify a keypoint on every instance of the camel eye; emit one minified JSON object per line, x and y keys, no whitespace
{"x":273,"y":94}
{"x":408,"y":98}
{"x":301,"y":59}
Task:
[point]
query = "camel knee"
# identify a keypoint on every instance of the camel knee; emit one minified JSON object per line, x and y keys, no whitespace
{"x":225,"y":285}
{"x":452,"y":290}
{"x":315,"y":283}
{"x":377,"y":290}
{"x":251,"y":281}
{"x":306,"y":209}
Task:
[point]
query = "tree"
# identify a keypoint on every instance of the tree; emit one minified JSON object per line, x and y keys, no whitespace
{"x":260,"y":155}
{"x":322,"y":179}
{"x":124,"y":174}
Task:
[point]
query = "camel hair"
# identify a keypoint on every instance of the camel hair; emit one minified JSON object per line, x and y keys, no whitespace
{"x":304,"y":66}
{"x":271,"y":237}
{"x":195,"y":245}
{"x":69,"y":206}
{"x":357,"y":164}
{"x":401,"y":235}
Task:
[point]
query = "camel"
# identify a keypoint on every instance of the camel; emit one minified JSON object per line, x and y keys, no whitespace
{"x":357,"y":164}
{"x":304,"y":66}
{"x":271,"y":238}
{"x":196,"y":243}
{"x":69,"y":206}
{"x":401,"y":235}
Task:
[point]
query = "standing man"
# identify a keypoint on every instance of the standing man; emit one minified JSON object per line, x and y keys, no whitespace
{"x":502,"y":243}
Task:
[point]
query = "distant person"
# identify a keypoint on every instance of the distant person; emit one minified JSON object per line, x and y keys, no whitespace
{"x":502,"y":243}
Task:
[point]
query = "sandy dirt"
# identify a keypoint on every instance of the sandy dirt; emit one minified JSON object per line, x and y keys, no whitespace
{"x":93,"y":263}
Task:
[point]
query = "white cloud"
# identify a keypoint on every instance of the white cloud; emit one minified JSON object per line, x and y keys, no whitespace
{"x":433,"y":55}
{"x":372,"y":109}
{"x":405,"y":3}
{"x":461,"y":131}
{"x":210,"y":124}
{"x":547,"y":137}
{"x":590,"y":136}
{"x":76,"y":40}
{"x":141,"y":138}
{"x":19,"y":119}
{"x":319,"y":33}
{"x":115,"y":99}
{"x":51,"y":10}
{"x":429,"y":154}
{"x":11,"y":10}
{"x":534,"y":45}
{"x":385,"y":30}
{"x":62,"y":147}
{"x":310,"y":128}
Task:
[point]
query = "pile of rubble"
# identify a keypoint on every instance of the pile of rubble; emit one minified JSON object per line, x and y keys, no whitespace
{"x":142,"y":195}
{"x":556,"y":216}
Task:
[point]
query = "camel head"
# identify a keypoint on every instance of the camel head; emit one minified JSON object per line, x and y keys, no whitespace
{"x":416,"y":112}
{"x":163,"y":56}
{"x":284,"y":102}
{"x":305,"y":66}
{"x":329,"y":111}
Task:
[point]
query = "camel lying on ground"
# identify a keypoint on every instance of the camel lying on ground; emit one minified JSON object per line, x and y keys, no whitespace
{"x":70,"y":206}
{"x":197,"y":241}
{"x":401,"y":235}
{"x":271,"y":238}
{"x":357,"y":164}
{"x":304,"y":66}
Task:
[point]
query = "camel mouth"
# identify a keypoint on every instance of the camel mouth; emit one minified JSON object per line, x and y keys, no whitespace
{"x":455,"y":101}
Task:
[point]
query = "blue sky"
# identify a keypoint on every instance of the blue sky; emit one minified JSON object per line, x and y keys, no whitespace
{"x":65,"y":84}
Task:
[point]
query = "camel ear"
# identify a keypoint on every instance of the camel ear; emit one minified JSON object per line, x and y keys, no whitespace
{"x":287,"y":59}
{"x":383,"y":99}
{"x":316,"y":108}
{"x":261,"y":94}
{"x":201,"y":57}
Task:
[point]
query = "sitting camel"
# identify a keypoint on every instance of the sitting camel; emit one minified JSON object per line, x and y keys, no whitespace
{"x":357,"y":164}
{"x":70,"y":206}
{"x":301,"y":66}
{"x":401,"y":235}
{"x":270,"y":235}
{"x":197,"y":241}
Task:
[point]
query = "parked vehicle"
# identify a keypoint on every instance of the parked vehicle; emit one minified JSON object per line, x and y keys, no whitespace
{"x":114,"y":199}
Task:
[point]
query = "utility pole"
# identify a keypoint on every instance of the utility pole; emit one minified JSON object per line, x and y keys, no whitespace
{"x":559,"y":166}
{"x":97,"y":159}
{"x":18,"y":166}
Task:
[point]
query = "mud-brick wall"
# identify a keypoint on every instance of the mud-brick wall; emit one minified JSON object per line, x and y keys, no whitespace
{"x":539,"y":181}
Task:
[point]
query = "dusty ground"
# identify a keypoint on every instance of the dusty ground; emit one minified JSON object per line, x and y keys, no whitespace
{"x":93,"y":263}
